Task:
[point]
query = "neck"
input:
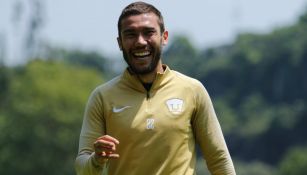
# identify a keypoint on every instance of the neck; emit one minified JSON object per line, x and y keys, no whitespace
{"x":149,"y":78}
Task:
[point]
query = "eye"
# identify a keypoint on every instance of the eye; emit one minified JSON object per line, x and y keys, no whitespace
{"x":130,"y":35}
{"x":149,"y":32}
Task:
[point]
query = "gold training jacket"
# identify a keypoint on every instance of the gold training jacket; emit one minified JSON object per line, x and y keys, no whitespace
{"x":157,"y":130}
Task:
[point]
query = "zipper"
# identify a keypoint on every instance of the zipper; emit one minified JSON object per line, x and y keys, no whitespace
{"x":147,"y":102}
{"x":147,"y":95}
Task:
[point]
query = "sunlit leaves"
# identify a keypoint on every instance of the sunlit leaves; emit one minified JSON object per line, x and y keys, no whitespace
{"x":42,"y":123}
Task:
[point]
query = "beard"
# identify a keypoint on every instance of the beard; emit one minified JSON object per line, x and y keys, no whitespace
{"x":156,"y":56}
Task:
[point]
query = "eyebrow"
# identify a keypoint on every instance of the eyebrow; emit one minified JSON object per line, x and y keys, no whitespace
{"x":129,"y":30}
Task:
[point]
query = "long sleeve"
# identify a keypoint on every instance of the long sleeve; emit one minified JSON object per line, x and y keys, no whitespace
{"x":209,"y":135}
{"x":93,"y":127}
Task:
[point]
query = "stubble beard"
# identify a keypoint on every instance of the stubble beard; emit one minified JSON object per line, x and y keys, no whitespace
{"x":150,"y":68}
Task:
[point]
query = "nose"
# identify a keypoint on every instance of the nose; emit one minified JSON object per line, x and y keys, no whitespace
{"x":141,"y":40}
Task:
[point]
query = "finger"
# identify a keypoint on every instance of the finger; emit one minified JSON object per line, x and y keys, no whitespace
{"x":109,"y":155}
{"x":103,"y":152}
{"x":112,"y":156}
{"x":102,"y":158}
{"x":109,"y":138}
{"x":102,"y":144}
{"x":107,"y":142}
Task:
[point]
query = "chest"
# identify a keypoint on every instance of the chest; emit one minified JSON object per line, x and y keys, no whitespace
{"x":164,"y":111}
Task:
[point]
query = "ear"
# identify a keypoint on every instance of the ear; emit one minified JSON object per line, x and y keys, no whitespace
{"x":165,"y":37}
{"x":120,"y":45}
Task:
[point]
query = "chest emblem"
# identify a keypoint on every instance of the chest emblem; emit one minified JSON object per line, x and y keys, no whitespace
{"x":175,"y":105}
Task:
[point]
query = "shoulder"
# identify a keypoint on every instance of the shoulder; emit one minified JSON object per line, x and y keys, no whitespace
{"x":107,"y":86}
{"x":194,"y":86}
{"x":187,"y":80}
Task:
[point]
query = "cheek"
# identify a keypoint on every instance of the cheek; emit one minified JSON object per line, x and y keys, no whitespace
{"x":126,"y":44}
{"x":125,"y":48}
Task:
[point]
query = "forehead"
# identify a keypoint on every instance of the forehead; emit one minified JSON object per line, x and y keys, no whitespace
{"x":140,"y":21}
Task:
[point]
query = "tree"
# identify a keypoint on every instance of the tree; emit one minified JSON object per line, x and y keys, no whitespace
{"x":181,"y":55}
{"x":40,"y":123}
{"x":4,"y":83}
{"x":89,"y":59}
{"x":294,"y":162}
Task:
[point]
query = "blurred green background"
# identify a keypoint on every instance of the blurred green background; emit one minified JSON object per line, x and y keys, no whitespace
{"x":257,"y":83}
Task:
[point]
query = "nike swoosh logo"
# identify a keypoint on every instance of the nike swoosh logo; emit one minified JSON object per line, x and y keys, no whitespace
{"x":117,"y":110}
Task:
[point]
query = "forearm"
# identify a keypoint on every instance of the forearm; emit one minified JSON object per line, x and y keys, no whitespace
{"x":220,"y":163}
{"x":86,"y":165}
{"x":215,"y":151}
{"x":92,"y":128}
{"x":209,"y":136}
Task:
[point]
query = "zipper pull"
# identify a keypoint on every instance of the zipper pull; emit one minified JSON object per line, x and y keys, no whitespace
{"x":147,"y":95}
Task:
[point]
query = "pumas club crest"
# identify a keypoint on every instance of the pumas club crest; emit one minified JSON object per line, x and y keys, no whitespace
{"x":175,"y":105}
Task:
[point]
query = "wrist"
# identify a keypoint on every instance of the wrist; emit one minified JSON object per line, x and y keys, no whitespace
{"x":98,"y":161}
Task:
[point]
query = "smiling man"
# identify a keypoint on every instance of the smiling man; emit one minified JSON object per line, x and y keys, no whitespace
{"x":148,"y":120}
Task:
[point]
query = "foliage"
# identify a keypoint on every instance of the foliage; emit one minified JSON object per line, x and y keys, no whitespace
{"x":181,"y":54}
{"x":254,"y":168}
{"x":4,"y":81}
{"x":90,"y":59}
{"x":294,"y":162}
{"x":41,"y":122}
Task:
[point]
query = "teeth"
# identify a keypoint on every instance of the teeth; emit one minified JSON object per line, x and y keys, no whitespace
{"x":141,"y":54}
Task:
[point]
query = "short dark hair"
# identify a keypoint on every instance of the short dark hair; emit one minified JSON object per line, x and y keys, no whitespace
{"x":138,"y":8}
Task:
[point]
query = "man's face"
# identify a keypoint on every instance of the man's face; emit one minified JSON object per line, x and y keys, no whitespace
{"x":141,"y":42}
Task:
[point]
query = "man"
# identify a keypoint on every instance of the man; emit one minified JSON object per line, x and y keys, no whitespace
{"x":147,"y":120}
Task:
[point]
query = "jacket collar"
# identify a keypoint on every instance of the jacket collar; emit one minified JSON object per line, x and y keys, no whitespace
{"x":132,"y":80}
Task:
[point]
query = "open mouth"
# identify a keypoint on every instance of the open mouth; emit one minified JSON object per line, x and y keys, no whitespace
{"x":141,"y":54}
